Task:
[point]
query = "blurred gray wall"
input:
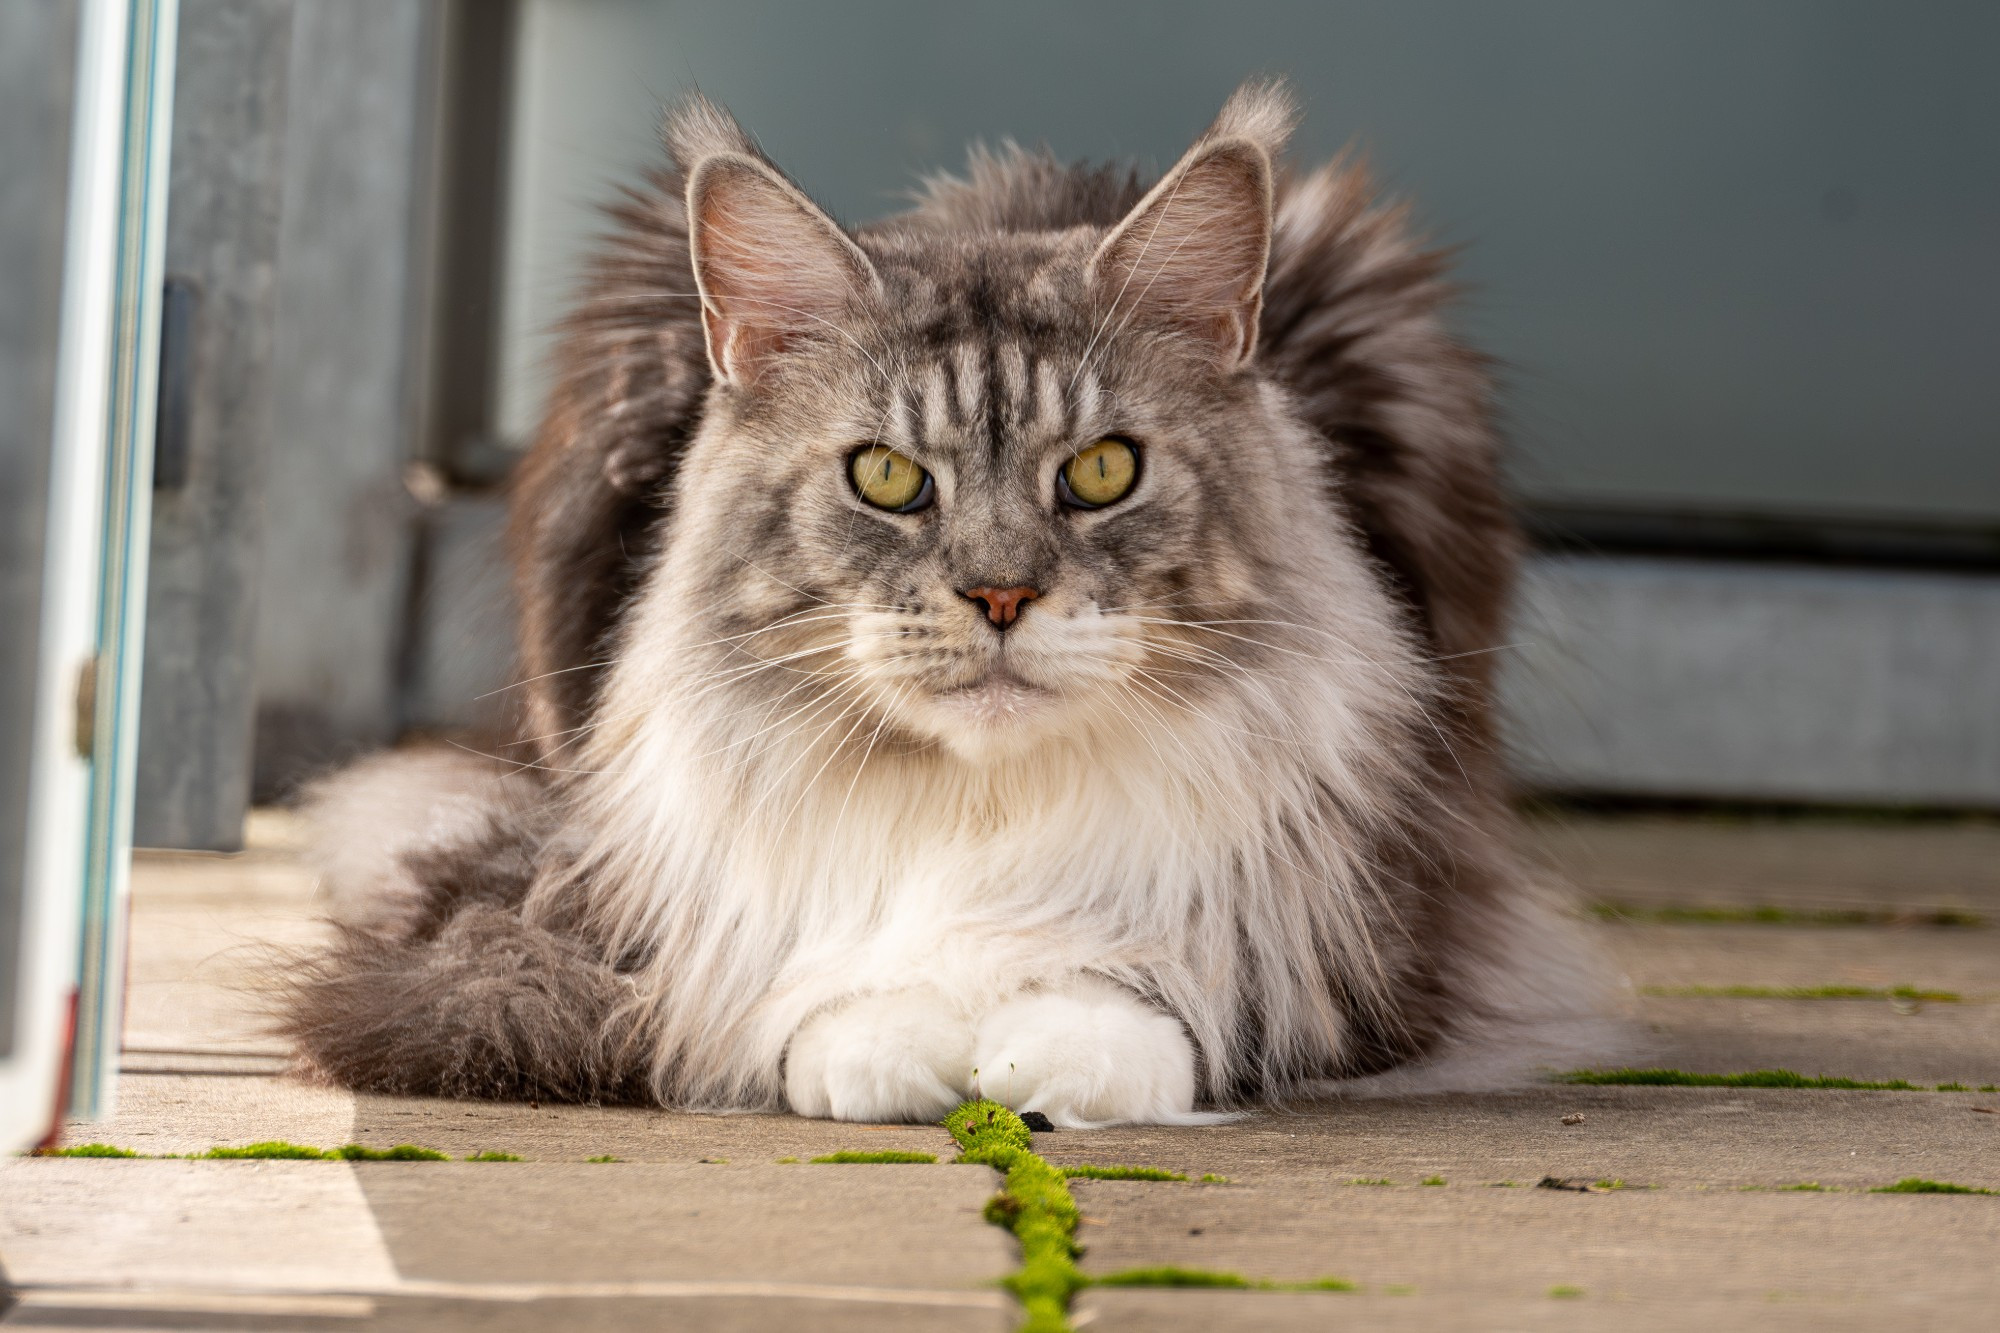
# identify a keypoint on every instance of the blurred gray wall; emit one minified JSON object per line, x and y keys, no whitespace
{"x":1740,"y":265}
{"x":1731,"y":256}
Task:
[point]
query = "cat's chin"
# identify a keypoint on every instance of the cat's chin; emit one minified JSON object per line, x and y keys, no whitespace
{"x":995,"y":718}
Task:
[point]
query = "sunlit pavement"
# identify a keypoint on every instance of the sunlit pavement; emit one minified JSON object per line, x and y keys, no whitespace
{"x":1678,"y":1212}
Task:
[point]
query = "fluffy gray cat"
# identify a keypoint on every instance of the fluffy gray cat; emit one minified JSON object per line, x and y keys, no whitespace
{"x":1036,"y":646}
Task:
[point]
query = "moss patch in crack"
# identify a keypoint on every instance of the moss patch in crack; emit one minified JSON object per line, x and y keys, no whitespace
{"x":1918,"y":1185}
{"x":1915,"y":994}
{"x":494,"y":1157}
{"x":1034,"y":1203}
{"x":1089,"y":1172}
{"x":1755,"y":1078}
{"x":1783,"y":916}
{"x":1171,"y":1275}
{"x":274,"y":1150}
{"x":878,"y":1158}
{"x":1371,"y":1180}
{"x":603,"y":1158}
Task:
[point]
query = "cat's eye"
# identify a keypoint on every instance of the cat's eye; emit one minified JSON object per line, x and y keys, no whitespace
{"x":888,"y":480}
{"x":1097,"y":476}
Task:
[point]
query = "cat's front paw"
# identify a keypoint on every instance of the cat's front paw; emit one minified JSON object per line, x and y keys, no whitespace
{"x":899,"y":1056}
{"x":1088,"y":1054}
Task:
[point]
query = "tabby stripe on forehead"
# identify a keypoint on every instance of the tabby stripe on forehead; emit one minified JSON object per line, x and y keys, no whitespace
{"x":940,"y":402}
{"x":1051,"y":406}
{"x":968,"y":363}
{"x":1016,"y":367}
{"x":943,"y":393}
{"x":996,"y":401}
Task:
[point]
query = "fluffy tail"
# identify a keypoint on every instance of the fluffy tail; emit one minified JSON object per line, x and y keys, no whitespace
{"x":434,"y":983}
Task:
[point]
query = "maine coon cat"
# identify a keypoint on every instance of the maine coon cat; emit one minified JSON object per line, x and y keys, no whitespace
{"x":1038,"y":645}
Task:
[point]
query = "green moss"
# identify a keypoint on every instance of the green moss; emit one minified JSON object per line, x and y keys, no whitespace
{"x":1210,"y":1178}
{"x":1912,"y":993}
{"x":877,"y":1158}
{"x":788,"y":1161}
{"x":607,"y":1157}
{"x":1918,"y":1185}
{"x":274,"y":1151}
{"x":1783,"y":916}
{"x":1432,"y":1180}
{"x":1088,"y":1172}
{"x":277,"y":1150}
{"x":987,"y":1123}
{"x":1756,"y":1078}
{"x":1034,"y":1203}
{"x":402,"y":1152}
{"x":1565,"y":1293}
{"x":493,"y":1157}
{"x":1371,"y":1180}
{"x":1989,"y":1087}
{"x":1170,"y":1275}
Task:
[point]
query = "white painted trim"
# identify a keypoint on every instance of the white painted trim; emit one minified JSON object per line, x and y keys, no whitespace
{"x":59,"y":799}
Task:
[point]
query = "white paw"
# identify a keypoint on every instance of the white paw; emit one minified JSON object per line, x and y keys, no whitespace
{"x":901,"y":1056}
{"x":1088,"y":1054}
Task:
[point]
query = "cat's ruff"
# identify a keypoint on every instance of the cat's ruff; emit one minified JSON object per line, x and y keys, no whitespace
{"x":1217,"y":817}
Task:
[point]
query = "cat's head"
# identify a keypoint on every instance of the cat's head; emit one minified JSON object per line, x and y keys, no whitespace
{"x":978,"y":485}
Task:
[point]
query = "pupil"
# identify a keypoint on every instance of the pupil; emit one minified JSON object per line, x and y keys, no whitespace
{"x":1103,"y":468}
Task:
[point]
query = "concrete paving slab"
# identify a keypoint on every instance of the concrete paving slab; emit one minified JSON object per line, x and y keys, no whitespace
{"x":83,"y":1311}
{"x":1918,"y":866}
{"x":1937,"y":1043}
{"x":254,"y":1226}
{"x":986,"y":1312}
{"x":1935,"y":958}
{"x":850,"y":1226}
{"x":192,"y":1112}
{"x":1891,"y":1256}
{"x":1717,"y":1138}
{"x":633,"y":1134}
{"x":1142,"y":1311}
{"x":203,"y":929}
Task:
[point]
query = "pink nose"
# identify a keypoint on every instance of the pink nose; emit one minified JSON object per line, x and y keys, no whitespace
{"x":1002,"y":604}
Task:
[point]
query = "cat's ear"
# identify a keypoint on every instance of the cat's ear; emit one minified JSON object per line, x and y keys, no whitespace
{"x":1191,"y":255}
{"x":770,"y":266}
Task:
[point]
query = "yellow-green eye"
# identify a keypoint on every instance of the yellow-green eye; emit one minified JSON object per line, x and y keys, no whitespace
{"x":1100,"y":474}
{"x":890,"y":481}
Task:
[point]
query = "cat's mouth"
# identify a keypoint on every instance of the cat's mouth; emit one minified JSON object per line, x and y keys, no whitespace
{"x":996,"y":698}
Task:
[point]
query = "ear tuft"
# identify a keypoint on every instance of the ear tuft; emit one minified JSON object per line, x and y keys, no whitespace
{"x":1262,"y":111}
{"x":1189,"y":259}
{"x":697,"y":128}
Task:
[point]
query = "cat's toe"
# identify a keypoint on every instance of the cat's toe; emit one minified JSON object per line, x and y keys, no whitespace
{"x":899,"y":1057}
{"x":1088,"y":1054}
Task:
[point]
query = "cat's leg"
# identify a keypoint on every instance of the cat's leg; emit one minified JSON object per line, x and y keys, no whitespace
{"x":902,"y":1055}
{"x":1087,"y":1053}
